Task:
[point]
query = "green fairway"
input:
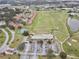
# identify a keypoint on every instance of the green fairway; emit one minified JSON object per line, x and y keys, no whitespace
{"x":48,"y":20}
{"x":2,"y":38}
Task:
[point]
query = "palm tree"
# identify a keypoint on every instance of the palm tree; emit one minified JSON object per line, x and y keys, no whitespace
{"x":63,"y":55}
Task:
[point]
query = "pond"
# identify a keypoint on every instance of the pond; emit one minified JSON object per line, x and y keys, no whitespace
{"x":73,"y":24}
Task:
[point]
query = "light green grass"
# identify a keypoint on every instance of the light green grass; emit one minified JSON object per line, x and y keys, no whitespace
{"x":48,"y":20}
{"x":2,"y":38}
{"x":18,"y":39}
{"x":10,"y":35}
{"x":9,"y":57}
{"x":76,"y":17}
{"x":74,"y":48}
{"x":57,"y":57}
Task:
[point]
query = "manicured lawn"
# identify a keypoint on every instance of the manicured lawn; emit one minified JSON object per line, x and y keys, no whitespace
{"x":74,"y":48}
{"x":48,"y":20}
{"x":2,"y":38}
{"x":10,"y":35}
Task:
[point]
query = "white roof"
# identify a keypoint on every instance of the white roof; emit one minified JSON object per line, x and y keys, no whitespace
{"x":2,"y":23}
{"x":42,"y":36}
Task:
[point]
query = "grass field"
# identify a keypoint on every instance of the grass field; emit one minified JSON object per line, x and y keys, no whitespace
{"x":48,"y":20}
{"x":74,"y":48}
{"x":54,"y":57}
{"x":2,"y":38}
{"x":9,"y":57}
{"x":10,"y":35}
{"x":17,"y":40}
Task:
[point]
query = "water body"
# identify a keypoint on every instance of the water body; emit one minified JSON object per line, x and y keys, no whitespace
{"x":73,"y":24}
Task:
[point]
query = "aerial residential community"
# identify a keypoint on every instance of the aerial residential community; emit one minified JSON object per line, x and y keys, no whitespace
{"x":39,"y":29}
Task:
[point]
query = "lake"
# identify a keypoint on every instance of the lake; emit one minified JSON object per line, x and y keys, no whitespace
{"x":73,"y":24}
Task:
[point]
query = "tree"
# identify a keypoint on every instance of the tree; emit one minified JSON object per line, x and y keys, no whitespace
{"x":50,"y":54}
{"x":49,"y":42}
{"x":9,"y":58}
{"x":0,"y":31}
{"x":4,"y":53}
{"x":26,"y":33}
{"x":24,"y":23}
{"x":5,"y":9}
{"x":12,"y":27}
{"x":37,"y":8}
{"x":18,"y":11}
{"x":21,"y":47}
{"x":63,"y":55}
{"x":40,"y":42}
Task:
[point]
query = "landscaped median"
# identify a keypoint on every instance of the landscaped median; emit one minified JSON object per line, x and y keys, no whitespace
{"x":17,"y":38}
{"x":2,"y":37}
{"x":10,"y":35}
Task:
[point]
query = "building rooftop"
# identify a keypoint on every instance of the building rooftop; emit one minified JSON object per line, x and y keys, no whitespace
{"x":42,"y":36}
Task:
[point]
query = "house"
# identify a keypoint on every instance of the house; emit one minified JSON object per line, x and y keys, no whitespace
{"x":15,"y":25}
{"x":17,"y":17}
{"x":42,"y":36}
{"x":2,"y":23}
{"x":31,"y":17}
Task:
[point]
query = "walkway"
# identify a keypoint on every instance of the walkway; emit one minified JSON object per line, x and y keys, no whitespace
{"x":13,"y":36}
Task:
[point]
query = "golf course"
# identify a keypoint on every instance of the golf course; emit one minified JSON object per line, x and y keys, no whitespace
{"x":47,"y":21}
{"x":55,"y":21}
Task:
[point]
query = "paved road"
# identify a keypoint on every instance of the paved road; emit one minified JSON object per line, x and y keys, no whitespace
{"x":13,"y":36}
{"x":4,"y":46}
